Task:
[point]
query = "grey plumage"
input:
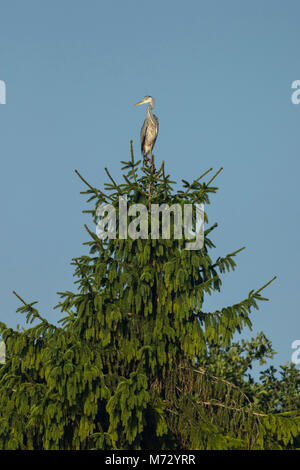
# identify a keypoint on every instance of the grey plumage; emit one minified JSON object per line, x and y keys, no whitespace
{"x":149,"y":129}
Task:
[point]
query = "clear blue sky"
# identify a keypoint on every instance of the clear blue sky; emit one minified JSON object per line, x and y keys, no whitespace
{"x":221,"y":74}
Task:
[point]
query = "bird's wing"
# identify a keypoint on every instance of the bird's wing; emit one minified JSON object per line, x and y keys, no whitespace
{"x":143,"y":134}
{"x":157,"y":124}
{"x":157,"y":128}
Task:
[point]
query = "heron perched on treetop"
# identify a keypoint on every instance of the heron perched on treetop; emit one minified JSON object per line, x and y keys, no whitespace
{"x":149,"y":130}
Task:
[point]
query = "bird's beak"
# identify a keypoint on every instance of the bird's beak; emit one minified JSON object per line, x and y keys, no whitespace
{"x":140,"y":102}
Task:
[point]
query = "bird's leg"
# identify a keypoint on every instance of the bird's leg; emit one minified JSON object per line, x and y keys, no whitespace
{"x":152,"y":160}
{"x":149,"y":160}
{"x":152,"y":164}
{"x":146,"y":160}
{"x":151,"y":150}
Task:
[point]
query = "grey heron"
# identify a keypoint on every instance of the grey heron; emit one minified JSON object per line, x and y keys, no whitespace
{"x":149,"y":130}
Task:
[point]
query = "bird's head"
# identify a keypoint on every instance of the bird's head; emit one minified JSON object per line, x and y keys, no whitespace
{"x":147,"y":99}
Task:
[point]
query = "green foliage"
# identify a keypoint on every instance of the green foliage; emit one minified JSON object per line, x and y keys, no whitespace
{"x":135,"y":362}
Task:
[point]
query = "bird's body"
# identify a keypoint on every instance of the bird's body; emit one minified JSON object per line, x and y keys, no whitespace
{"x":149,"y":130}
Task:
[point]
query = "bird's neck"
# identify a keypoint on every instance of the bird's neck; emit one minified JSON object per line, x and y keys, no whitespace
{"x":149,"y":112}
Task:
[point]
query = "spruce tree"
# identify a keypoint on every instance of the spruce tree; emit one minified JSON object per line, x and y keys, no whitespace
{"x":128,"y":364}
